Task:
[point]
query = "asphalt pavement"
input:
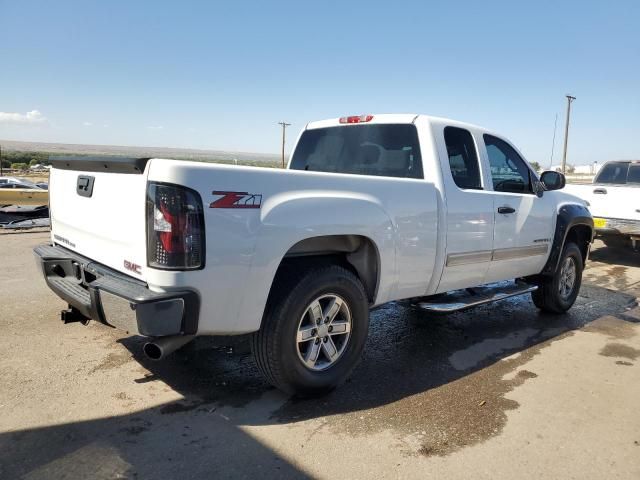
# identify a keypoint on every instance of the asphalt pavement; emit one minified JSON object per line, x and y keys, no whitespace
{"x":500,"y":391}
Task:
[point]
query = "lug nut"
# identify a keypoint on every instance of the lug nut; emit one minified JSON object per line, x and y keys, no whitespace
{"x":325,"y":339}
{"x":330,"y":328}
{"x":317,"y":341}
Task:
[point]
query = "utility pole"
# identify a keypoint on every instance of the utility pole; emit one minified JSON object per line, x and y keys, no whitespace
{"x":1,"y":172}
{"x":553,"y":142}
{"x":284,"y":127}
{"x":566,"y":133}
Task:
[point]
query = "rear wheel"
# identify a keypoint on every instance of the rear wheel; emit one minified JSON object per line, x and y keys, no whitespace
{"x":558,"y":293}
{"x":313,"y":331}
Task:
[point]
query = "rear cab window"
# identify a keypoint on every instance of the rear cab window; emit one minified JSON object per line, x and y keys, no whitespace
{"x":390,"y":150}
{"x":463,"y":158}
{"x":633,"y":177}
{"x":614,"y":173}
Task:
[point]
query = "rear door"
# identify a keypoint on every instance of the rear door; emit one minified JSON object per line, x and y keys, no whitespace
{"x":469,"y":215}
{"x":523,"y":222}
{"x":98,"y":210}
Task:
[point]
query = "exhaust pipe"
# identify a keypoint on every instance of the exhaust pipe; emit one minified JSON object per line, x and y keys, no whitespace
{"x":160,"y":347}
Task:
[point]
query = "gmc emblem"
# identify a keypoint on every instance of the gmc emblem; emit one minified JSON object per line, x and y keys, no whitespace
{"x":137,"y":269}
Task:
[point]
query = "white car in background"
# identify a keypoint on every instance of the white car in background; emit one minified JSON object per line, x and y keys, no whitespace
{"x":614,"y":202}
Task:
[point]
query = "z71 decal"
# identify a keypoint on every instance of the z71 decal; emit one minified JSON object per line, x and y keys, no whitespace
{"x":236,"y":200}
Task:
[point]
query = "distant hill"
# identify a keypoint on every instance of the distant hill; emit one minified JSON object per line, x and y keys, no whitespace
{"x":62,"y":149}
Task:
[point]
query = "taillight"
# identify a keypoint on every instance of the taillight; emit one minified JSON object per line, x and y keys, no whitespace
{"x":175,"y":227}
{"x":356,"y":119}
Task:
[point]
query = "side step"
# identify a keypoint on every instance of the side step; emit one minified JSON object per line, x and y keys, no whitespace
{"x":471,"y":297}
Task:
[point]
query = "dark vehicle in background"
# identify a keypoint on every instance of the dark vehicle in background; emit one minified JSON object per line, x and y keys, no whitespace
{"x":14,"y":182}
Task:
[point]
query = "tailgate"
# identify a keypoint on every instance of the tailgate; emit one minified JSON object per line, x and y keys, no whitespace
{"x":97,"y":209}
{"x":613,"y":201}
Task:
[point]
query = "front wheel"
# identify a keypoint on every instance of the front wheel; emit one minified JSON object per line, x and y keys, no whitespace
{"x":313,"y":331}
{"x":558,"y":293}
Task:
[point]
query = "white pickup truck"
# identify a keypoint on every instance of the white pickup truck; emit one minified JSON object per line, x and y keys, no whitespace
{"x":371,"y":209}
{"x":614,"y":201}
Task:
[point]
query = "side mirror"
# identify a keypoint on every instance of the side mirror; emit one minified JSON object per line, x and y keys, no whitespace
{"x":553,"y":180}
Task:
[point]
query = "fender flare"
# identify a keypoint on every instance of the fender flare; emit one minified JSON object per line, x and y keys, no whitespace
{"x":569,"y":215}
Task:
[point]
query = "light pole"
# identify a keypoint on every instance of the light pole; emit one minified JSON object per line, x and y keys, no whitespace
{"x":284,"y":127}
{"x":566,"y":133}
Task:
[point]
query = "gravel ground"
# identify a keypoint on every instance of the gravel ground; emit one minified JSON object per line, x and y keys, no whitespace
{"x":500,"y":391}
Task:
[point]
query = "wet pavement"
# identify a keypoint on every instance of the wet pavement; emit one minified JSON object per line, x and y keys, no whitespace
{"x":431,"y":395}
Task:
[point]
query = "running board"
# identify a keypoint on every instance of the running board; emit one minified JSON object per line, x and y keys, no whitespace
{"x":471,"y":297}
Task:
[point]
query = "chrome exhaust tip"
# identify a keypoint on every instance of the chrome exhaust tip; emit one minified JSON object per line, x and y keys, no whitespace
{"x":160,"y":347}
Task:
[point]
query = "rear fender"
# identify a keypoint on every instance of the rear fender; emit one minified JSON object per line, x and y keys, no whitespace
{"x":291,"y":218}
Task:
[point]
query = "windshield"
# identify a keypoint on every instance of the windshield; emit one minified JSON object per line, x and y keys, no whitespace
{"x":24,"y":181}
{"x":385,"y":150}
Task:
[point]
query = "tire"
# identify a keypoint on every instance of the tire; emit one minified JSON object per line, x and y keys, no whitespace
{"x":553,"y":294}
{"x":279,"y":348}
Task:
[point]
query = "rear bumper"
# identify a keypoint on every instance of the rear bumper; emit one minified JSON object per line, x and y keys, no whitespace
{"x":617,"y":226}
{"x":115,"y":299}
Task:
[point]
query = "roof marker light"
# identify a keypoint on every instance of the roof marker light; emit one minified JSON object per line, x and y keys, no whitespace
{"x":356,"y":119}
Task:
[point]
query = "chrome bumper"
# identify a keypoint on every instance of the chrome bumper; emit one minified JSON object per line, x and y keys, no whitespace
{"x":617,"y":226}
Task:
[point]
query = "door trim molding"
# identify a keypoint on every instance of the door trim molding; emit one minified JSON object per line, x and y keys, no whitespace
{"x":482,"y":256}
{"x":519,"y":252}
{"x":479,"y":256}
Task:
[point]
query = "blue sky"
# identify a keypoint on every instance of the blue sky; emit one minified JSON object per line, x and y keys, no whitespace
{"x":220,"y":75}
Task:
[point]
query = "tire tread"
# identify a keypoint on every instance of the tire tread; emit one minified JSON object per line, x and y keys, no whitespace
{"x":546,"y":297}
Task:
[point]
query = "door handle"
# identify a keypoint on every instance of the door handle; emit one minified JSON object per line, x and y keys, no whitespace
{"x":506,"y":210}
{"x":601,"y":191}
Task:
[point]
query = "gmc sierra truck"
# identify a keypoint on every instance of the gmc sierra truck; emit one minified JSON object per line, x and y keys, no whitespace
{"x":614,"y":202}
{"x":371,"y":209}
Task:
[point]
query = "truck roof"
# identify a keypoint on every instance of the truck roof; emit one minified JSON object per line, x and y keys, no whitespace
{"x":391,"y":118}
{"x":621,"y":161}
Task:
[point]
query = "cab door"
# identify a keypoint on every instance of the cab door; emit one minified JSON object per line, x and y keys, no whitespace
{"x":469,"y":210}
{"x":523,"y":221}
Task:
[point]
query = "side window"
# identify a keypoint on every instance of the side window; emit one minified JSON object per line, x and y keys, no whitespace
{"x":614,"y":172}
{"x":463,"y":159}
{"x":509,"y":171}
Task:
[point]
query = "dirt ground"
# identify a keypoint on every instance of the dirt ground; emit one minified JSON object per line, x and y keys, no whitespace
{"x":500,"y":391}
